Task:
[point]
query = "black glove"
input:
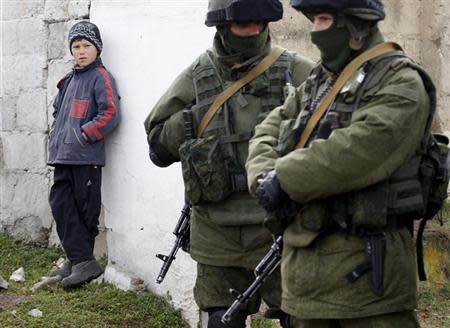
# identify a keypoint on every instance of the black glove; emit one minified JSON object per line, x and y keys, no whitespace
{"x":278,"y":220}
{"x":269,"y":192}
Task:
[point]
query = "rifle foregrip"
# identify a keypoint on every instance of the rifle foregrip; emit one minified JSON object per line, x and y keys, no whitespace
{"x":230,"y":312}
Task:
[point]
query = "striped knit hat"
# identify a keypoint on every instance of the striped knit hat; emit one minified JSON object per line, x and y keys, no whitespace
{"x":86,"y":30}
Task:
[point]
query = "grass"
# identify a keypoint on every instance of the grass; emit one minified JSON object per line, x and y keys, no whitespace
{"x":102,"y":305}
{"x":264,"y":323}
{"x":95,"y":305}
{"x":434,"y":294}
{"x":434,"y":306}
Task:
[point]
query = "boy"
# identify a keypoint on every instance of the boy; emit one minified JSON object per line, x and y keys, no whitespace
{"x":86,"y":109}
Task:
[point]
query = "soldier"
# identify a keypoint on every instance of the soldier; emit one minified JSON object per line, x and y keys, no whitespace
{"x":227,"y":236}
{"x":346,"y":148}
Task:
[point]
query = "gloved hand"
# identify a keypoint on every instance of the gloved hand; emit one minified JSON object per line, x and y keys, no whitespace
{"x":269,"y":192}
{"x":278,"y":220}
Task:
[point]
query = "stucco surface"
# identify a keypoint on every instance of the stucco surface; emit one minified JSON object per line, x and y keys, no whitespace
{"x":146,"y":46}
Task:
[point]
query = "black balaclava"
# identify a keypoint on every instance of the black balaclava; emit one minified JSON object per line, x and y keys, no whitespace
{"x":334,"y":42}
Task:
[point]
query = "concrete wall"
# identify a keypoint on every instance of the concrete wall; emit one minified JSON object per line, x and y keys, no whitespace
{"x":146,"y":45}
{"x":435,"y":51}
{"x":420,"y":27}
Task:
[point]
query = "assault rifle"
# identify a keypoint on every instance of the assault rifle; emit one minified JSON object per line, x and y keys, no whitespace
{"x":263,"y":270}
{"x":182,"y":229}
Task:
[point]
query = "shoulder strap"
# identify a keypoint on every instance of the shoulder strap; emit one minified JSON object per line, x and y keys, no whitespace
{"x":236,"y":86}
{"x":348,"y":71}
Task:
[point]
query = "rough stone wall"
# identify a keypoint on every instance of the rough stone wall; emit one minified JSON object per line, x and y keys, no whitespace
{"x":34,"y":56}
{"x":435,"y":51}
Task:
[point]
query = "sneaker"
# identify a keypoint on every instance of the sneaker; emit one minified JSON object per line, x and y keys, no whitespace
{"x":82,"y":273}
{"x":64,"y":271}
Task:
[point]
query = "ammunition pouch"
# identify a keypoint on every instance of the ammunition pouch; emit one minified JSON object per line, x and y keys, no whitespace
{"x":315,"y":217}
{"x":205,"y":172}
{"x":372,"y":208}
{"x":211,"y":168}
{"x":417,"y":190}
{"x":434,"y":174}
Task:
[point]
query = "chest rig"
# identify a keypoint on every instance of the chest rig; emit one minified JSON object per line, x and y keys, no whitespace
{"x":208,"y":84}
{"x":415,"y":191}
{"x":403,"y":193}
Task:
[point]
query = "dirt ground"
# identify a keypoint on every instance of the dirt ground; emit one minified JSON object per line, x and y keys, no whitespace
{"x":10,"y":301}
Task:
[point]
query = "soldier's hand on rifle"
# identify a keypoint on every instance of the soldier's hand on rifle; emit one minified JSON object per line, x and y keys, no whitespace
{"x":269,"y":192}
{"x":277,"y":221}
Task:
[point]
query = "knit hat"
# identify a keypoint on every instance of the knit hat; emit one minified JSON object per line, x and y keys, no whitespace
{"x":88,"y":31}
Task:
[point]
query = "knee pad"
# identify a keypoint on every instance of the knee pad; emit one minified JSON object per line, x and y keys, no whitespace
{"x":215,"y":316}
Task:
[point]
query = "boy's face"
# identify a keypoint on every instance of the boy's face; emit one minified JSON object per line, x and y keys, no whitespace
{"x":84,"y":52}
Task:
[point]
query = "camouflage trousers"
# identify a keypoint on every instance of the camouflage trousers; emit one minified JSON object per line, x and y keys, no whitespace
{"x":405,"y":319}
{"x":213,"y":284}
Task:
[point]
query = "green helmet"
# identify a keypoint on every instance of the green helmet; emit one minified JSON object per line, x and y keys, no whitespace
{"x":360,"y":17}
{"x":370,"y":10}
{"x":243,"y":11}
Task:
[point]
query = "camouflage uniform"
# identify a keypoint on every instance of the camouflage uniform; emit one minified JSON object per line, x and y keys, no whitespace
{"x":377,"y":127}
{"x":227,"y":236}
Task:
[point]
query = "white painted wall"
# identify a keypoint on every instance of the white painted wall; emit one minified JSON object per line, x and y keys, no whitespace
{"x":146,"y":45}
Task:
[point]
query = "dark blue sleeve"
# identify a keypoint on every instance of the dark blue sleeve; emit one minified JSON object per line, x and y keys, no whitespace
{"x":108,"y":103}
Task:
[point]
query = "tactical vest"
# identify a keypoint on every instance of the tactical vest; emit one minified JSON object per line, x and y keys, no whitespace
{"x":405,"y":194}
{"x":415,"y":191}
{"x":211,"y":169}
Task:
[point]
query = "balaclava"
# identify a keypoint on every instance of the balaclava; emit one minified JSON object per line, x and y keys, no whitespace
{"x":335,"y":42}
{"x":246,"y":46}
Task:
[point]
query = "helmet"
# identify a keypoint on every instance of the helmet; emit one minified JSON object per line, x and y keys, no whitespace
{"x":243,"y":11}
{"x":371,"y":10}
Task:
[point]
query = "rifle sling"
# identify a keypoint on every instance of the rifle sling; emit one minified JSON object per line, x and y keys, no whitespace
{"x":348,"y":71}
{"x":262,"y":66}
